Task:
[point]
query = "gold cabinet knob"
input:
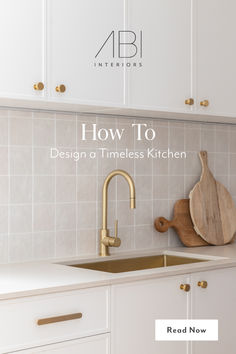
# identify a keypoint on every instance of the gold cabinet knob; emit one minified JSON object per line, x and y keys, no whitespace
{"x":39,"y":86}
{"x":189,"y":101}
{"x":61,"y":88}
{"x":203,"y":284}
{"x":204,"y":103}
{"x":185,"y":287}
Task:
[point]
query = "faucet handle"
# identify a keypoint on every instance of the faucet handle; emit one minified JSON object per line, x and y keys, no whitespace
{"x":111,"y":241}
{"x":116,"y":228}
{"x":115,"y":241}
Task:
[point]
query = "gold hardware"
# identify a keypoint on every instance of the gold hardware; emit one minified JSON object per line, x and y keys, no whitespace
{"x":185,"y":287}
{"x":61,"y":88}
{"x":204,"y":103}
{"x":39,"y":86}
{"x":189,"y":101}
{"x":203,"y":284}
{"x":116,"y":228}
{"x":107,"y":241}
{"x":137,"y":263}
{"x":73,"y":316}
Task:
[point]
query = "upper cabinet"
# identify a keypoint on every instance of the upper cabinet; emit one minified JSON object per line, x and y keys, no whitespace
{"x":83,"y":51}
{"x":215,"y":55}
{"x":22,"y":47}
{"x":132,"y":55}
{"x":163,"y":82}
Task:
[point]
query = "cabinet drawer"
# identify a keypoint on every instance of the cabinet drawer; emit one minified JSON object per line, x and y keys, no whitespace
{"x":98,"y":344}
{"x":46,"y":319}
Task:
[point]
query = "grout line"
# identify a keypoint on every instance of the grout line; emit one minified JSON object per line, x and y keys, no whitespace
{"x":168,"y":190}
{"x":97,"y":201}
{"x":164,"y":175}
{"x":134,"y":242}
{"x":32,"y":188}
{"x":55,"y":189}
{"x":76,"y":189}
{"x":229,"y":158}
{"x":185,"y":194}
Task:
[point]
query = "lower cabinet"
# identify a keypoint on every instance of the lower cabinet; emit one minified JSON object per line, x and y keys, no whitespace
{"x":80,"y":322}
{"x":216,"y":301}
{"x":92,"y":345}
{"x":36,"y":321}
{"x":136,"y":306}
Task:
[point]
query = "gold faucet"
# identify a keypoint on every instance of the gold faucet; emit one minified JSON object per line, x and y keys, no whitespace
{"x":107,"y":241}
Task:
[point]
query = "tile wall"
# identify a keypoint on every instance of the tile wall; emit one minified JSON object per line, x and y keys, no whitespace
{"x":51,"y":208}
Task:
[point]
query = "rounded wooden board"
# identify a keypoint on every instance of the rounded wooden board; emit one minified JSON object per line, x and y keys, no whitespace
{"x":182,"y":223}
{"x":212,"y":209}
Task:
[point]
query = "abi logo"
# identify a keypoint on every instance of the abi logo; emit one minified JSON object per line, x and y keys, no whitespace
{"x":123,"y":44}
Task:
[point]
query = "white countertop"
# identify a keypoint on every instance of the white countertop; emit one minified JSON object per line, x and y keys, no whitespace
{"x":34,"y":278}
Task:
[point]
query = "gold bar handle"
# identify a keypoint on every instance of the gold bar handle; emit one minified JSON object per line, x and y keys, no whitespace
{"x":73,"y":316}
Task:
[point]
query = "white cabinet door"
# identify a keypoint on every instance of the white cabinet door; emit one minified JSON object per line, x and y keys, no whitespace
{"x":91,"y":345}
{"x":83,"y":51}
{"x":22,"y":47}
{"x":215,"y":55}
{"x":163,"y":82}
{"x":217,"y":301}
{"x":19,"y":318}
{"x":136,"y":306}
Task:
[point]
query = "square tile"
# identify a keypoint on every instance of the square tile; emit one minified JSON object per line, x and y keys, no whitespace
{"x":86,"y":188}
{"x":3,"y":249}
{"x":65,"y":243}
{"x":20,"y":131}
{"x":65,"y":189}
{"x":44,"y":217}
{"x":3,"y":130}
{"x":4,"y":189}
{"x":21,"y":161}
{"x":20,"y":248}
{"x":4,"y":213}
{"x":44,"y":132}
{"x":4,"y":161}
{"x":43,"y":245}
{"x":66,"y":216}
{"x":65,"y":133}
{"x":43,"y":163}
{"x":65,"y":164}
{"x":86,"y":218}
{"x":87,"y":243}
{"x":44,"y":189}
{"x":20,"y":219}
{"x":20,"y":189}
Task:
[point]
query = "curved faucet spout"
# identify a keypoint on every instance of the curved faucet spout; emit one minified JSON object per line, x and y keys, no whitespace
{"x":105,"y":193}
{"x":107,"y":241}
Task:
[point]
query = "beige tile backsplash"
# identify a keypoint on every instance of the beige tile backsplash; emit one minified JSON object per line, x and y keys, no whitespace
{"x":52,"y":208}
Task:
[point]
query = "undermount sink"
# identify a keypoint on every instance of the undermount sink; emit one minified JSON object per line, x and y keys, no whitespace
{"x":139,"y":263}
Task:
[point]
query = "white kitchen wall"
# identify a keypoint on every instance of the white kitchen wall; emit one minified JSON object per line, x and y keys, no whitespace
{"x":52,"y":208}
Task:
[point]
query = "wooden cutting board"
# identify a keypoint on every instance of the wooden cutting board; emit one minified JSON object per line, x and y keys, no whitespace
{"x":212,"y":209}
{"x":183,"y":225}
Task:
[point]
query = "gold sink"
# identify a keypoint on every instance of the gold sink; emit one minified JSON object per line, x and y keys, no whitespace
{"x":139,"y":263}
